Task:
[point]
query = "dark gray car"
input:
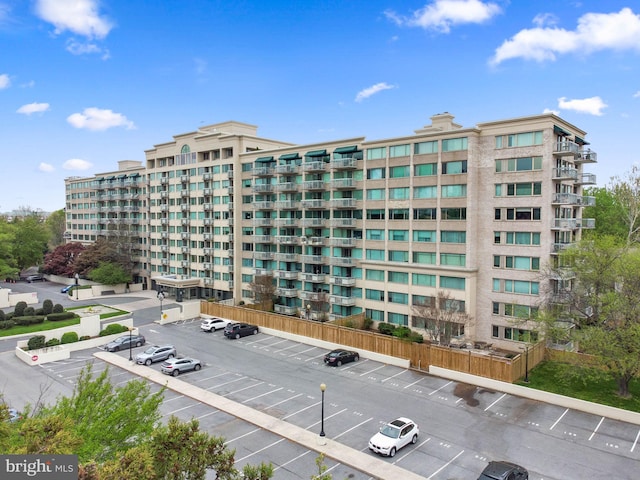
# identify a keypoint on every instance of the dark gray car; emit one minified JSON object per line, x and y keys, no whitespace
{"x":503,"y":471}
{"x":156,"y":353}
{"x":122,"y":343}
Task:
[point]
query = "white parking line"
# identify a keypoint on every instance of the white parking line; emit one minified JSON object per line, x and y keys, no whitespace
{"x":272,"y":344}
{"x":326,"y":418}
{"x":262,"y":395}
{"x":225,"y":383}
{"x":285,"y":400}
{"x":411,"y":451}
{"x":300,"y":411}
{"x":209,"y":378}
{"x":393,"y":376}
{"x":412,"y":384}
{"x":258,"y":451}
{"x":371,"y":371}
{"x":292,"y":460}
{"x":559,"y":418}
{"x":594,"y":432}
{"x":436,"y":391}
{"x":180,"y":409}
{"x":445,"y":465}
{"x":352,"y":428}
{"x":303,"y":351}
{"x":501,"y":397}
{"x":287,"y":348}
{"x":251,"y":432}
{"x":635,"y":441}
{"x":242,"y":389}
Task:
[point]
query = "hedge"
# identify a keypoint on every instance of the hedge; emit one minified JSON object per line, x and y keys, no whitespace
{"x":69,"y":337}
{"x":29,"y":320}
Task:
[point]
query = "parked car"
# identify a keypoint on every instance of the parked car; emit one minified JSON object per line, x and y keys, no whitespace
{"x":35,"y":278}
{"x":214,"y":323}
{"x":122,"y":343}
{"x":501,"y":470}
{"x":14,"y":415}
{"x":66,"y":289}
{"x":156,"y":353}
{"x":393,"y":436}
{"x":336,"y":358}
{"x":176,"y":366}
{"x":237,"y":330}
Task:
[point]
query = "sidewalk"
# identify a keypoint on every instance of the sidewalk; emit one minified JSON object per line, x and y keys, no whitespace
{"x":366,"y":463}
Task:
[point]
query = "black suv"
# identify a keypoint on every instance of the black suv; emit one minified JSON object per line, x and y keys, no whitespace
{"x":504,"y":471}
{"x":237,"y":330}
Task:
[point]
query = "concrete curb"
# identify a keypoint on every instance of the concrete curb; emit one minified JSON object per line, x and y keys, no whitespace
{"x":364,"y":462}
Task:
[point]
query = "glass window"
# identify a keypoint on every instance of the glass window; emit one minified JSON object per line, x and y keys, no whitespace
{"x":398,"y":277}
{"x":372,"y":254}
{"x":455,"y":283}
{"x":374,"y":234}
{"x":375,"y":214}
{"x":375,"y":315}
{"x":453,"y":213}
{"x":376,"y":153}
{"x":399,"y":235}
{"x":399,"y":172}
{"x":425,"y":192}
{"x":426,"y":169}
{"x":450,"y":168}
{"x":375,"y":194}
{"x":377,"y":295}
{"x":376,"y":173}
{"x":397,"y":297}
{"x":398,"y":256}
{"x":453,"y":259}
{"x":399,"y":151}
{"x":454,"y":191}
{"x":398,"y":318}
{"x":423,"y":280}
{"x":424,"y":148}
{"x":426,"y":236}
{"x":424,"y":258}
{"x":454,"y":144}
{"x":424,"y":213}
{"x":375,"y":275}
{"x":399,"y":214}
{"x":453,"y":237}
{"x":399,"y":193}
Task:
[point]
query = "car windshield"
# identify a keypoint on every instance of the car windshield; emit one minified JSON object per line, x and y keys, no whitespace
{"x":121,"y":340}
{"x":150,"y":350}
{"x":390,"y":431}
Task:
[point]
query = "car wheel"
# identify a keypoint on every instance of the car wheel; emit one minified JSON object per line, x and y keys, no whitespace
{"x":197,"y":367}
{"x":175,"y":373}
{"x":138,"y":344}
{"x":117,"y":349}
{"x":147,"y":362}
{"x":339,"y":363}
{"x":414,"y":439}
{"x":392,"y":452}
{"x":255,"y":332}
{"x":356,"y":358}
{"x":237,"y":336}
{"x":171,"y":355}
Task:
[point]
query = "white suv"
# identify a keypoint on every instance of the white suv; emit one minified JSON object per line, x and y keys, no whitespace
{"x":214,"y":323}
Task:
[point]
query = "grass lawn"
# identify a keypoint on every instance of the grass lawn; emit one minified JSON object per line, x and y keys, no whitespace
{"x":550,"y":376}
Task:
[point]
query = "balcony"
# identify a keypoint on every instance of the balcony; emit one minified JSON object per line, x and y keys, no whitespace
{"x":207,"y":176}
{"x":286,"y":222}
{"x":285,"y":310}
{"x":565,"y":223}
{"x":565,"y":173}
{"x":209,"y":251}
{"x":263,"y":255}
{"x":343,"y":163}
{"x":313,"y":167}
{"x":207,"y":192}
{"x":262,"y":238}
{"x":186,"y":249}
{"x":342,"y":281}
{"x":230,"y":252}
{"x":286,"y":257}
{"x":262,"y":171}
{"x":342,"y":242}
{"x":342,"y":183}
{"x":587,"y":179}
{"x":342,"y":261}
{"x":313,"y":296}
{"x":287,"y":292}
{"x":287,"y":239}
{"x":208,"y":281}
{"x":164,"y":248}
{"x":566,"y":147}
{"x":312,"y":222}
{"x":313,"y":277}
{"x":287,"y":205}
{"x":262,"y":188}
{"x":164,"y":180}
{"x":164,"y":194}
{"x":587,"y":222}
{"x":343,"y":222}
{"x":565,"y":199}
{"x":208,"y":221}
{"x":262,"y":205}
{"x":208,"y":236}
{"x":184,"y":178}
{"x":586,"y":201}
{"x":286,"y":187}
{"x":313,"y":203}
{"x":230,"y":174}
{"x":559,"y":247}
{"x":314,"y":241}
{"x":262,"y":272}
{"x":262,"y":222}
{"x":184,"y":221}
{"x":314,"y":185}
{"x":343,"y":203}
{"x":587,"y":157}
{"x":312,"y":259}
{"x":185,"y":235}
{"x":164,"y":221}
{"x":185,"y":192}
{"x":342,"y":301}
{"x":207,"y":266}
{"x":286,"y":274}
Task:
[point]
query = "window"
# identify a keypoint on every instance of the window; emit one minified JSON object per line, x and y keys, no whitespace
{"x":398,"y":256}
{"x":375,"y":275}
{"x":397,"y":318}
{"x":524,"y":189}
{"x":526,"y":139}
{"x":522,"y":238}
{"x":522,"y":263}
{"x":376,"y":173}
{"x":424,"y":258}
{"x":399,"y":151}
{"x":523,"y":213}
{"x":399,"y":172}
{"x":455,"y":283}
{"x":453,"y":259}
{"x":375,"y":315}
{"x":426,"y":236}
{"x":423,"y":280}
{"x":398,"y":214}
{"x":453,"y":237}
{"x":377,"y":295}
{"x":424,"y":148}
{"x":425,"y":170}
{"x":397,"y":297}
{"x":454,"y":144}
{"x":398,"y":277}
{"x":374,"y":234}
{"x":399,"y":193}
{"x":523,"y":164}
{"x":376,"y":153}
{"x":518,"y":311}
{"x":454,"y":191}
{"x":424,"y":213}
{"x":453,"y":213}
{"x":399,"y":235}
{"x":375,"y":214}
{"x":372,"y":254}
{"x":425,"y":192}
{"x":375,"y":194}
{"x":450,"y":168}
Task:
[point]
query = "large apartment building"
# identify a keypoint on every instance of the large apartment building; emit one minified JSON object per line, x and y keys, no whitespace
{"x":468,"y":218}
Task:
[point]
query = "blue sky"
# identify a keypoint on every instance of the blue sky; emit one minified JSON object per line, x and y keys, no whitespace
{"x":86,"y":83}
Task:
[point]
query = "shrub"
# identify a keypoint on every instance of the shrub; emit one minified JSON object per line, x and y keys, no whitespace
{"x":6,"y":324}
{"x":367,"y":323}
{"x":84,"y":337}
{"x":402,"y":332}
{"x":2,"y":315}
{"x":113,"y":329}
{"x":29,"y":312}
{"x":18,"y":311}
{"x":39,"y":311}
{"x":54,"y":317}
{"x":69,"y":337}
{"x":349,"y":323}
{"x":386,"y":328}
{"x":416,"y":337}
{"x":36,"y":342}
{"x":57,"y":308}
{"x":47,"y":307}
{"x":9,"y":316}
{"x":33,"y":320}
{"x":52,"y":343}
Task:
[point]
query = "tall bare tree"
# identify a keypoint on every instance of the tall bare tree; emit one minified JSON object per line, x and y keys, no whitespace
{"x":443,"y":317}
{"x":264,"y":290}
{"x":626,"y":191}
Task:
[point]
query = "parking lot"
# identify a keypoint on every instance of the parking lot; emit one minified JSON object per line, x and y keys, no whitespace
{"x":462,"y":427}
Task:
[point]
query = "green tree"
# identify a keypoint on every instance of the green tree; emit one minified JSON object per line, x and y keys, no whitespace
{"x":8,"y":264}
{"x":56,"y":226}
{"x":51,"y":434}
{"x":109,"y":274}
{"x":607,"y":213}
{"x":109,"y":420}
{"x":30,"y":241}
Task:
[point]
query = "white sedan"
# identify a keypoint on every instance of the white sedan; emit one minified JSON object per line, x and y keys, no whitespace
{"x":393,"y":436}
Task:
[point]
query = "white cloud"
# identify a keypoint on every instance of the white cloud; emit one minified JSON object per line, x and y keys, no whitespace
{"x":30,"y":108}
{"x":367,"y":92}
{"x":79,"y":48}
{"x":543,"y":19}
{"x":595,"y":31}
{"x":592,"y":105}
{"x":550,"y":110}
{"x":637,"y":94}
{"x":99,"y":119}
{"x":5,"y":81}
{"x":77,"y":164}
{"x":78,"y":16}
{"x":46,"y":167}
{"x":440,"y":15}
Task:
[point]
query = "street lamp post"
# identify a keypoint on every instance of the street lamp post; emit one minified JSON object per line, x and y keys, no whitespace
{"x":526,"y":364}
{"x":323,"y":387}
{"x":160,"y":297}
{"x":130,"y":331}
{"x":77,"y":277}
{"x":308,"y":312}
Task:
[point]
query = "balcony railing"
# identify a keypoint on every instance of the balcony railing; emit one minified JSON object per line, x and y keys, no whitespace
{"x":285,"y":309}
{"x":262,"y":238}
{"x":262,"y":205}
{"x":587,"y":179}
{"x":313,"y":277}
{"x":312,"y":296}
{"x":263,"y":187}
{"x":312,"y":222}
{"x":565,"y":223}
{"x":562,"y":173}
{"x":342,"y":242}
{"x":342,"y":261}
{"x":342,"y":281}
{"x":287,"y":239}
{"x":587,"y":222}
{"x":313,"y":166}
{"x":286,"y":274}
{"x":286,"y":222}
{"x":313,"y":203}
{"x":287,"y":205}
{"x":587,"y":157}
{"x":343,"y":203}
{"x":343,"y":222}
{"x":341,"y":163}
{"x":286,"y":257}
{"x":262,"y":222}
{"x":287,"y":168}
{"x":567,"y":147}
{"x":343,"y":183}
{"x":286,"y":187}
{"x":262,"y":171}
{"x":314,"y":185}
{"x":312,"y":259}
{"x":287,"y":292}
{"x":263,"y":255}
{"x":343,"y":301}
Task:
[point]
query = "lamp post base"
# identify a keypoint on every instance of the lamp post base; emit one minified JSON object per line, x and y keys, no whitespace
{"x":322,"y":440}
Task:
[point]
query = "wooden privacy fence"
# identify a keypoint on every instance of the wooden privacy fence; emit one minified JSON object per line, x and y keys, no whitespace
{"x":420,"y":355}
